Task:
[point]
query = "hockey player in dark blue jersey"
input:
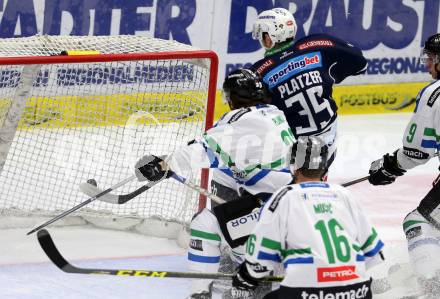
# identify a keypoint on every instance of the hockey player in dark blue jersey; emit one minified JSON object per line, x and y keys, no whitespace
{"x":300,"y":74}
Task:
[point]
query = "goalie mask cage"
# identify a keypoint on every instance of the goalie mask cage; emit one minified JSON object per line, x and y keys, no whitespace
{"x":66,"y":119}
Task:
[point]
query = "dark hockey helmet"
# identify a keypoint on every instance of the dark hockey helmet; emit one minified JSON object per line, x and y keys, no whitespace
{"x":243,"y":88}
{"x":431,"y":49}
{"x":309,"y":152}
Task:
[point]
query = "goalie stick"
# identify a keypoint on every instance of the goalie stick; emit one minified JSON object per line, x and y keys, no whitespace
{"x":91,"y":188}
{"x":55,"y":256}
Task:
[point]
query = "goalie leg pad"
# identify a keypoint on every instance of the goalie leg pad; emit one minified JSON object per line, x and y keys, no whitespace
{"x":429,"y":207}
{"x":204,"y":248}
{"x":423,"y":245}
{"x":223,"y":192}
{"x":238,"y":218}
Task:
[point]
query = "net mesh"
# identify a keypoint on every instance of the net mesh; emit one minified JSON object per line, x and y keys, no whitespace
{"x":94,"y":120}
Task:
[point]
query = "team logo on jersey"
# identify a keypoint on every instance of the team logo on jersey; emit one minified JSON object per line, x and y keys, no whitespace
{"x":315,"y":43}
{"x":341,"y":273}
{"x":292,"y":67}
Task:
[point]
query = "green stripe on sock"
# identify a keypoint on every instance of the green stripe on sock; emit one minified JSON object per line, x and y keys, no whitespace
{"x":205,"y":235}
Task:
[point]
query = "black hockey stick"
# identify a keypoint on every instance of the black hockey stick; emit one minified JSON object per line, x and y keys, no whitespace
{"x":77,"y":207}
{"x":55,"y":256}
{"x":91,"y":187}
{"x":358,"y":180}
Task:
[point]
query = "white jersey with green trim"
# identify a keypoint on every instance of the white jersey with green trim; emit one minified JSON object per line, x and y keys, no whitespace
{"x":318,"y":232}
{"x":250,"y":145}
{"x":421,"y":140}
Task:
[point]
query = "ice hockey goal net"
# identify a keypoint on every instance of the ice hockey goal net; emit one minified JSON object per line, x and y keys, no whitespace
{"x":93,"y":115}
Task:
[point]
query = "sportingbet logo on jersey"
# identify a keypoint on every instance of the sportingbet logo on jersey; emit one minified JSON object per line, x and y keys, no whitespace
{"x":293,"y":66}
{"x":342,"y":273}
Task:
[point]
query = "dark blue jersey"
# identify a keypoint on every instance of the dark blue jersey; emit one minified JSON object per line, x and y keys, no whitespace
{"x":301,"y":75}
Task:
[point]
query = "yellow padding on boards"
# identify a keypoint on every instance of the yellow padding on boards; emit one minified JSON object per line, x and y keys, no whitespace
{"x":377,"y":98}
{"x":363,"y":99}
{"x":114,"y":109}
{"x":79,"y":52}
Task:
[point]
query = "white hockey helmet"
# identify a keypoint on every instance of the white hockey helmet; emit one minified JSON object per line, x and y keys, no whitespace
{"x":278,"y":23}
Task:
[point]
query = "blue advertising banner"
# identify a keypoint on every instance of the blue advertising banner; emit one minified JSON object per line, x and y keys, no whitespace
{"x":389,"y":32}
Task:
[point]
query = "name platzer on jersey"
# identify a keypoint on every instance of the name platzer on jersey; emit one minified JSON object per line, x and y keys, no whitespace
{"x":299,"y":82}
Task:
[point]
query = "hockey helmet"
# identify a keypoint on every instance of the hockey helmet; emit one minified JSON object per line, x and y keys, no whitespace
{"x":431,"y":49}
{"x":278,"y":23}
{"x":243,"y":86}
{"x":309,"y":152}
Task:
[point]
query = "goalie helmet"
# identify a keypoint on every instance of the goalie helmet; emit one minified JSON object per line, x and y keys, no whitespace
{"x":242,"y":88}
{"x":278,"y":23}
{"x":431,"y":49}
{"x":309,"y":152}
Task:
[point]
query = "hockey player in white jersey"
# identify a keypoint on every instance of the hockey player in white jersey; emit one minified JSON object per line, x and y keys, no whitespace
{"x":251,"y":144}
{"x":421,"y":142}
{"x":317,"y":231}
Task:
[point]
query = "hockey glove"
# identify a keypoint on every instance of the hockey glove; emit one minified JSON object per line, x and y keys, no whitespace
{"x":384,"y":171}
{"x":243,"y":280}
{"x":149,"y":168}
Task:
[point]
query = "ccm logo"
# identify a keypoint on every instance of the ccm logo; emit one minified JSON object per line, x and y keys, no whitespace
{"x":337,"y":273}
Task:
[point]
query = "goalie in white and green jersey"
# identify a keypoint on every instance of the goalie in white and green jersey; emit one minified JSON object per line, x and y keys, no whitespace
{"x":421,"y":142}
{"x":317,"y":231}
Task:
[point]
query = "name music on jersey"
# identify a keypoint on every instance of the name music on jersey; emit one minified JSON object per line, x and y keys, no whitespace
{"x":293,"y":66}
{"x":299,"y":82}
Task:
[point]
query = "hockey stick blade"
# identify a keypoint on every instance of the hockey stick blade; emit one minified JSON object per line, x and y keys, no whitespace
{"x":91,"y":190}
{"x":79,"y":206}
{"x":55,"y":256}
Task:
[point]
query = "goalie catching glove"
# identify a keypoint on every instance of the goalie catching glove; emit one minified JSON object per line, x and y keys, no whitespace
{"x":150,"y":168}
{"x":385,"y":170}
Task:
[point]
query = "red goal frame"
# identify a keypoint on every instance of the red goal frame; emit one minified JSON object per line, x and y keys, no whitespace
{"x":206,"y":54}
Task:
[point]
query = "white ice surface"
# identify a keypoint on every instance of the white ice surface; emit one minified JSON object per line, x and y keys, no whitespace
{"x":26,"y":273}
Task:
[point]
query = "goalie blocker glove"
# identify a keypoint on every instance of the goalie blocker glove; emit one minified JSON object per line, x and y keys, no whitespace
{"x":385,"y":170}
{"x":149,"y":168}
{"x":243,"y":280}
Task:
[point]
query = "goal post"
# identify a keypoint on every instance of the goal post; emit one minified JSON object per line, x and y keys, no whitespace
{"x":65,"y":119}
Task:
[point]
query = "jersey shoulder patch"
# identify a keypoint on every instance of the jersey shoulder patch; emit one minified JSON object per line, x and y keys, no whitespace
{"x":274,"y":204}
{"x":433,"y":97}
{"x":264,"y":65}
{"x":236,"y":116}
